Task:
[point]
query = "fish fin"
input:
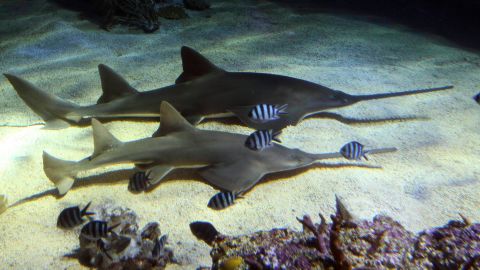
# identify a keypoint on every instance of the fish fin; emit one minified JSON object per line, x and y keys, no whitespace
{"x":84,"y":210}
{"x":275,"y":136}
{"x":282,"y":109}
{"x":157,"y":173}
{"x":103,"y":140}
{"x":194,"y":119}
{"x":3,"y":203}
{"x":234,"y":177}
{"x":242,"y":113}
{"x":113,"y":85}
{"x":55,"y":124}
{"x":194,"y":65}
{"x":55,"y":111}
{"x":60,"y":172}
{"x":171,"y":121}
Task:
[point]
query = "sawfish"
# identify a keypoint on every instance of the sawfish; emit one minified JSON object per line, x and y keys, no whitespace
{"x":203,"y":90}
{"x":221,"y":158}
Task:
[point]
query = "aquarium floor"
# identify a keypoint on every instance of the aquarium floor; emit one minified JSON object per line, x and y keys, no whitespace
{"x":433,"y":176}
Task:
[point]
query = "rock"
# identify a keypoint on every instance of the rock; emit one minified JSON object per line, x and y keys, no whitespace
{"x":126,"y":247}
{"x":348,"y":243}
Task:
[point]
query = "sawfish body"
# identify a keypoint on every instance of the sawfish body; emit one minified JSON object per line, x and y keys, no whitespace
{"x":202,"y":91}
{"x":221,"y":158}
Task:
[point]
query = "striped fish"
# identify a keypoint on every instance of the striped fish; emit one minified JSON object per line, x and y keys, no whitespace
{"x":353,"y":151}
{"x":72,"y":216}
{"x":222,"y":200}
{"x":262,"y":139}
{"x":102,"y":247}
{"x":138,"y":182}
{"x":159,"y":246}
{"x":267,"y":112}
{"x":96,"y":229}
{"x":477,"y":98}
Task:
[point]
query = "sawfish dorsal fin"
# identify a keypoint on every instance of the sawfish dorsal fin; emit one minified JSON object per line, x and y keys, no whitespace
{"x":103,"y":140}
{"x":113,"y":85}
{"x":171,"y":121}
{"x":195,"y":65}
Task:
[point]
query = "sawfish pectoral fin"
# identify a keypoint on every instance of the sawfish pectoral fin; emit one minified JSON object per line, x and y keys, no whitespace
{"x":156,"y":173}
{"x":3,"y":203}
{"x":234,"y":177}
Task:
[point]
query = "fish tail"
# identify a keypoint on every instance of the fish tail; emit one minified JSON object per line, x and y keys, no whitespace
{"x":60,"y":172}
{"x":403,"y":93}
{"x":84,"y":210}
{"x":275,"y":136}
{"x":282,"y":109}
{"x":3,"y":203}
{"x":56,"y":112}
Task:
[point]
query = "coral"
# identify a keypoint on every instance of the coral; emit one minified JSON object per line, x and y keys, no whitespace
{"x":453,"y":246}
{"x":348,"y":243}
{"x":126,"y":247}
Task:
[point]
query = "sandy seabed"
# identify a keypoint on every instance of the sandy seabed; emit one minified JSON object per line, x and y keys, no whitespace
{"x":433,"y":177}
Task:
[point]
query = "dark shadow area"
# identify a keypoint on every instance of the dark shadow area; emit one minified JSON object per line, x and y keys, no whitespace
{"x":86,"y":10}
{"x":456,"y":20}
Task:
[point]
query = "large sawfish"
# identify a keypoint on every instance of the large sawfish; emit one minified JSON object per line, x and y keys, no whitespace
{"x":221,"y":158}
{"x":202,"y":91}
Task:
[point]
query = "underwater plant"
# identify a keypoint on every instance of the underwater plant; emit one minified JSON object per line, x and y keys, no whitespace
{"x":346,"y":243}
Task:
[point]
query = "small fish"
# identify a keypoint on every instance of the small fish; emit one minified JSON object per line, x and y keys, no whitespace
{"x":267,"y":112}
{"x":72,"y":216}
{"x":477,"y":98}
{"x":353,"y":151}
{"x":204,"y":231}
{"x":222,"y":200}
{"x":96,"y":229}
{"x":138,"y":182}
{"x":262,"y":139}
{"x":159,"y":246}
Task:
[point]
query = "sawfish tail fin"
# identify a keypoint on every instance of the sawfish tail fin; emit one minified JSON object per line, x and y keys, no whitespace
{"x":63,"y":172}
{"x":60,"y":172}
{"x":56,"y":112}
{"x":3,"y":203}
{"x":403,"y":93}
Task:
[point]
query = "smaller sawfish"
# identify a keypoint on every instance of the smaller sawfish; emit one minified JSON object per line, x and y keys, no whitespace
{"x":221,"y":158}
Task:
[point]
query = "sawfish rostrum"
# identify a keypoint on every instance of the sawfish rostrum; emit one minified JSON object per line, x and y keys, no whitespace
{"x":203,"y":90}
{"x":221,"y":158}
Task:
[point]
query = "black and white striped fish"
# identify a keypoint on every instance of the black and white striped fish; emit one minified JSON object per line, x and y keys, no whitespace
{"x":222,"y":200}
{"x":267,"y":112}
{"x":262,"y":139}
{"x":353,"y":151}
{"x":96,"y":229}
{"x":72,"y":216}
{"x":159,"y":246}
{"x":477,"y":98}
{"x":138,"y":182}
